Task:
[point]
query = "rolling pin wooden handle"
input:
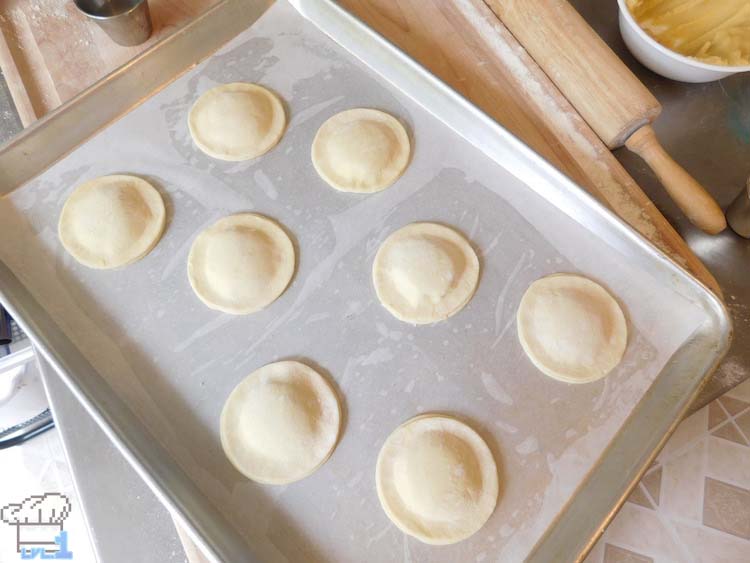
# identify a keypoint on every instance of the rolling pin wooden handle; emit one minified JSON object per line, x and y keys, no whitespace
{"x":692,"y":198}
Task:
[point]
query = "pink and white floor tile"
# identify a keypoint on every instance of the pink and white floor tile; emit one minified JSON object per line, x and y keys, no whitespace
{"x":693,"y":504}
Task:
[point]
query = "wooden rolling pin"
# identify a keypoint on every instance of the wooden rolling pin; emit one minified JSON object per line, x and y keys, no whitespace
{"x":617,"y":106}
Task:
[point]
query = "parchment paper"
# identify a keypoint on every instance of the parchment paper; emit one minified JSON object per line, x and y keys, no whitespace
{"x":175,"y":361}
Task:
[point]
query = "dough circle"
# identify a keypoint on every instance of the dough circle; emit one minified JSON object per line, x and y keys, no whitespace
{"x":280,"y":423}
{"x":237,"y":121}
{"x":361,"y":150}
{"x":436,"y":479}
{"x":571,"y":328}
{"x":112,"y":221}
{"x":425,"y":272}
{"x":241,"y":263}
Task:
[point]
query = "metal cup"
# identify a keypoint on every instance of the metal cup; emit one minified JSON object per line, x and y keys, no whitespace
{"x":127,"y":22}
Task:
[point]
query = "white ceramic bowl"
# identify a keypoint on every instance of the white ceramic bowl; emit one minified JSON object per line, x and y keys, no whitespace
{"x":666,"y":62}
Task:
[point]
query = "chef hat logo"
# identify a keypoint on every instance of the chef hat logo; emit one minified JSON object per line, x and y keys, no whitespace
{"x":50,"y":508}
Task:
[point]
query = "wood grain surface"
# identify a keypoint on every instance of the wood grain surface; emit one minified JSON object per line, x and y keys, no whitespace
{"x":612,"y":100}
{"x":605,"y":92}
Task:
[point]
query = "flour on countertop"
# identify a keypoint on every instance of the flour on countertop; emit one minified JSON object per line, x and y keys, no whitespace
{"x":567,"y":123}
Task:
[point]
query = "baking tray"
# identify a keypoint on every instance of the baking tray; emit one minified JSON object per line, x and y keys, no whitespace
{"x":153,"y":365}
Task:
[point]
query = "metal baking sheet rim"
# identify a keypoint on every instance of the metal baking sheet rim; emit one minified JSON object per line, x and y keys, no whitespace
{"x":610,"y":480}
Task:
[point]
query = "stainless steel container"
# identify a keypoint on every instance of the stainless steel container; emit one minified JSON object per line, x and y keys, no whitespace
{"x":127,"y":22}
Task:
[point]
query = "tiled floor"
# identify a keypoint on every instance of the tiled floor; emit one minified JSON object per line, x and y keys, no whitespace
{"x":693,"y":504}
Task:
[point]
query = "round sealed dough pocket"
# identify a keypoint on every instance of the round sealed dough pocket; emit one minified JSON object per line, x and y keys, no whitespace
{"x":112,"y":221}
{"x":425,"y":272}
{"x":280,"y":423}
{"x":571,"y":328}
{"x":361,"y":150}
{"x":237,"y":121}
{"x":241,"y":263}
{"x":436,"y":479}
